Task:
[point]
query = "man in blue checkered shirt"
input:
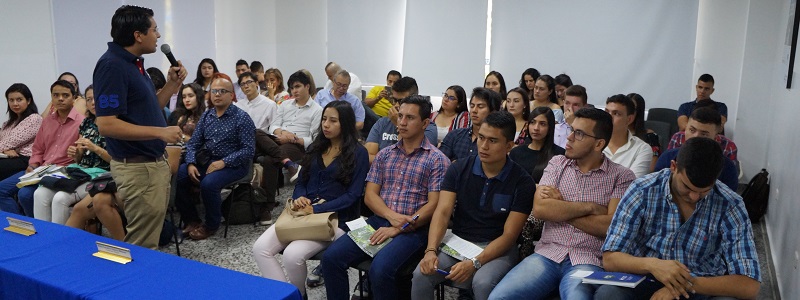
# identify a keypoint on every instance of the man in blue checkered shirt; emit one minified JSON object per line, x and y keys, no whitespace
{"x":685,"y":230}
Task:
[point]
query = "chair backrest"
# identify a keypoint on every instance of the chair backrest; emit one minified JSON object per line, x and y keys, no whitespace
{"x":666,"y":115}
{"x":662,"y":129}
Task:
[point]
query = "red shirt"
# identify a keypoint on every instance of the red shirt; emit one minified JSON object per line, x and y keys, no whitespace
{"x":53,"y":139}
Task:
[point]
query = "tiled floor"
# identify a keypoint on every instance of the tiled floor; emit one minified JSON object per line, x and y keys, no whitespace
{"x":234,"y":253}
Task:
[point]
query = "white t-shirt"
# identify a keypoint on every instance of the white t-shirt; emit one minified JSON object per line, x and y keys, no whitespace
{"x":261,"y":109}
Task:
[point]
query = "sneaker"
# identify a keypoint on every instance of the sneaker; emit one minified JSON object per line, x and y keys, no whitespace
{"x":315,"y":278}
{"x":266,"y":217}
{"x":362,"y":288}
{"x":292,"y":171}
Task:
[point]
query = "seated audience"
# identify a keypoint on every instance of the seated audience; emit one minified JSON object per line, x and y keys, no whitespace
{"x":17,"y":134}
{"x":59,"y":130}
{"x":241,"y":67}
{"x":638,"y":129}
{"x":355,"y":83}
{"x":205,"y":74}
{"x":79,"y":103}
{"x":707,"y":124}
{"x":260,"y":108}
{"x":563,"y":82}
{"x":105,"y":207}
{"x":704,"y":89}
{"x":544,"y":94}
{"x":257,"y":68}
{"x":533,"y":158}
{"x":219,"y":153}
{"x":576,"y":198}
{"x":88,"y":151}
{"x":625,"y":148}
{"x":385,"y":132}
{"x":488,"y":197}
{"x":339,"y":93}
{"x":528,"y":80}
{"x":519,"y":106}
{"x":452,"y":114}
{"x":378,"y":97}
{"x":460,"y":143}
{"x":331,"y":181}
{"x":402,"y":188}
{"x":684,"y":205}
{"x":190,"y":108}
{"x":275,"y":89}
{"x":575,"y":98}
{"x":494,"y":81}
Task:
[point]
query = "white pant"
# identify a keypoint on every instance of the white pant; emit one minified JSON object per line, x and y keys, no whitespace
{"x":294,"y":259}
{"x":54,"y":206}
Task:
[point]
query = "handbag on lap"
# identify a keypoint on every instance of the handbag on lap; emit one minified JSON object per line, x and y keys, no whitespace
{"x":296,"y":225}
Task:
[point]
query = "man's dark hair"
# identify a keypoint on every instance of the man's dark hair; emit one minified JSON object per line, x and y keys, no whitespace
{"x":702,"y":160}
{"x":630,"y":107}
{"x":244,"y":75}
{"x":706,"y":78}
{"x":66,"y":84}
{"x":563,"y":80}
{"x":425,"y":106}
{"x":127,"y":20}
{"x":13,"y":118}
{"x":706,"y":115}
{"x":300,"y":77}
{"x":504,"y":121}
{"x":157,"y":77}
{"x":256,"y":66}
{"x":603,"y":126}
{"x":394,"y":73}
{"x":491,"y":97}
{"x":406,"y":84}
{"x":242,"y":62}
{"x":577,"y":91}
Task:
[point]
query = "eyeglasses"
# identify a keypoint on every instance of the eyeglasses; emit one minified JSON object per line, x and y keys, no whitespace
{"x":341,"y":85}
{"x":247,"y":82}
{"x":448,"y":97}
{"x":580,"y":134}
{"x":219,"y":91}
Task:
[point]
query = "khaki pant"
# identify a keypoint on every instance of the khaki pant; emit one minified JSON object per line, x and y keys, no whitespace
{"x":144,"y":187}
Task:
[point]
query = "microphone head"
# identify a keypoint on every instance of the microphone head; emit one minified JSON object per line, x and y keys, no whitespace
{"x":165,"y":48}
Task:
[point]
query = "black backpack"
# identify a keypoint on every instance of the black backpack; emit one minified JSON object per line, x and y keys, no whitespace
{"x":756,"y":196}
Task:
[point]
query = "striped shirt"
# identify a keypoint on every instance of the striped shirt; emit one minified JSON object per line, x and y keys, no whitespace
{"x":406,"y":179}
{"x":728,"y":147}
{"x":716,"y":240}
{"x":600,"y":185}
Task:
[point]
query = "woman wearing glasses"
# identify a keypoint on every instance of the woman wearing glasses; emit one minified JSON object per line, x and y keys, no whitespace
{"x":453,"y":112}
{"x":17,"y":134}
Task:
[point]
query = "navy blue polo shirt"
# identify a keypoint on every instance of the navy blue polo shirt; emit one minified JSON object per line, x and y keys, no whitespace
{"x":483,"y":204}
{"x":121,"y":89}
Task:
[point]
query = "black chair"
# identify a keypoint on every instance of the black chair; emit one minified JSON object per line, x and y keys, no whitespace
{"x":666,"y":115}
{"x":244,"y":181}
{"x":662,"y":129}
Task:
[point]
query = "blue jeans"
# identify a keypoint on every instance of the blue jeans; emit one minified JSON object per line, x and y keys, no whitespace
{"x":210,"y":187}
{"x":8,"y":188}
{"x":536,"y":277}
{"x":644,"y":290}
{"x":344,"y":253}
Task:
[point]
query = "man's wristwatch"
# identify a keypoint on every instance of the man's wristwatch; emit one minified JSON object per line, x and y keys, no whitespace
{"x":475,"y":263}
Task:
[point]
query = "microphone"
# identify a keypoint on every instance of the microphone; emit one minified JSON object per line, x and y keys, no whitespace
{"x":168,"y":52}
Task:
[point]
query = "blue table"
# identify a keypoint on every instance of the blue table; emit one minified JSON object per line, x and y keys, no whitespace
{"x":57,"y":263}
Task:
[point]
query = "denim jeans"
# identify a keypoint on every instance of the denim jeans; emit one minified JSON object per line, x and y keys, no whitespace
{"x":210,"y":187}
{"x":8,"y":188}
{"x":644,"y":290}
{"x":344,"y":253}
{"x":537,"y":276}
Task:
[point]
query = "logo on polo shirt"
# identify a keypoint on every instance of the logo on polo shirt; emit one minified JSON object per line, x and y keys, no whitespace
{"x":108,"y":101}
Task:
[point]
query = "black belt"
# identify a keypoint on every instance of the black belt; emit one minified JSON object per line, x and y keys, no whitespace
{"x":139,"y":159}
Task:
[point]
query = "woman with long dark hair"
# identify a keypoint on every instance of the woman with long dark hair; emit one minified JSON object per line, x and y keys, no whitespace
{"x":520,"y":107}
{"x":17,"y":134}
{"x":563,"y":82}
{"x":453,"y":113}
{"x":638,"y":129}
{"x":205,"y":73}
{"x":544,"y":94}
{"x":494,"y":81}
{"x":190,"y":108}
{"x":534,"y":157}
{"x":331,"y":180}
{"x":528,"y":80}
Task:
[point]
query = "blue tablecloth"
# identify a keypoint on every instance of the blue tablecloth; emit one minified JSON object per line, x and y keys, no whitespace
{"x":57,"y":263}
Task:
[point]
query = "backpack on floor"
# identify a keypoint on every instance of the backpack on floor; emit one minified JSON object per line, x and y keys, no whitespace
{"x":240,"y":209}
{"x":756,"y":196}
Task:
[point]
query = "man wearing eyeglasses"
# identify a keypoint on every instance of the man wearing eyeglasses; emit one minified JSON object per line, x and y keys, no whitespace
{"x":241,"y":67}
{"x":129,"y":116}
{"x":354,"y":87}
{"x":576,"y":198}
{"x":227,"y":134}
{"x":338,"y":92}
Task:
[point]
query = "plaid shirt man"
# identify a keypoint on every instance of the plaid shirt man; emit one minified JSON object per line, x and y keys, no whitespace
{"x":728,"y":147}
{"x":716,"y":240}
{"x":600,"y":185}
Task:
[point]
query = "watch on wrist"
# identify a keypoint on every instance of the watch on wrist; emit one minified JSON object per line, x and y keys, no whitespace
{"x":475,"y":263}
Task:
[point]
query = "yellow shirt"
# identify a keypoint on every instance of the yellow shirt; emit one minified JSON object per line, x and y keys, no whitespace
{"x":383,"y":105}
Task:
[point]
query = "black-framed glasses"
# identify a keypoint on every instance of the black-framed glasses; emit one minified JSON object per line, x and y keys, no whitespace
{"x":219,"y":91}
{"x":448,"y":97}
{"x":580,"y":134}
{"x":247,"y":82}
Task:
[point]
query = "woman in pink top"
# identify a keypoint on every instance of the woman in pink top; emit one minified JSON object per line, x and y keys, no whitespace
{"x":17,"y":134}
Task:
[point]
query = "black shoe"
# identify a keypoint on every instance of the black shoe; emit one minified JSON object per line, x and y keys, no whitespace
{"x":315,"y":278}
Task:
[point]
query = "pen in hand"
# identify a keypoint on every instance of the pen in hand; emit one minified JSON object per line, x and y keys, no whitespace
{"x":409,"y":223}
{"x":443,"y":272}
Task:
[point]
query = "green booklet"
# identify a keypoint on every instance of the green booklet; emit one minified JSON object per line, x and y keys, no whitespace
{"x":360,"y":232}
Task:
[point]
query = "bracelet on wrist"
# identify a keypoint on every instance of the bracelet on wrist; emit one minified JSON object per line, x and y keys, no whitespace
{"x":431,"y":250}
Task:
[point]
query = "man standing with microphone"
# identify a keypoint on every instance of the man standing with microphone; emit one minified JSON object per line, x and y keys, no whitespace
{"x":129,"y":117}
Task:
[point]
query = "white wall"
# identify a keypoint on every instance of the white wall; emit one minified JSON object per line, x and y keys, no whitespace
{"x":246,"y":30}
{"x":301,"y":37}
{"x":27,"y":60}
